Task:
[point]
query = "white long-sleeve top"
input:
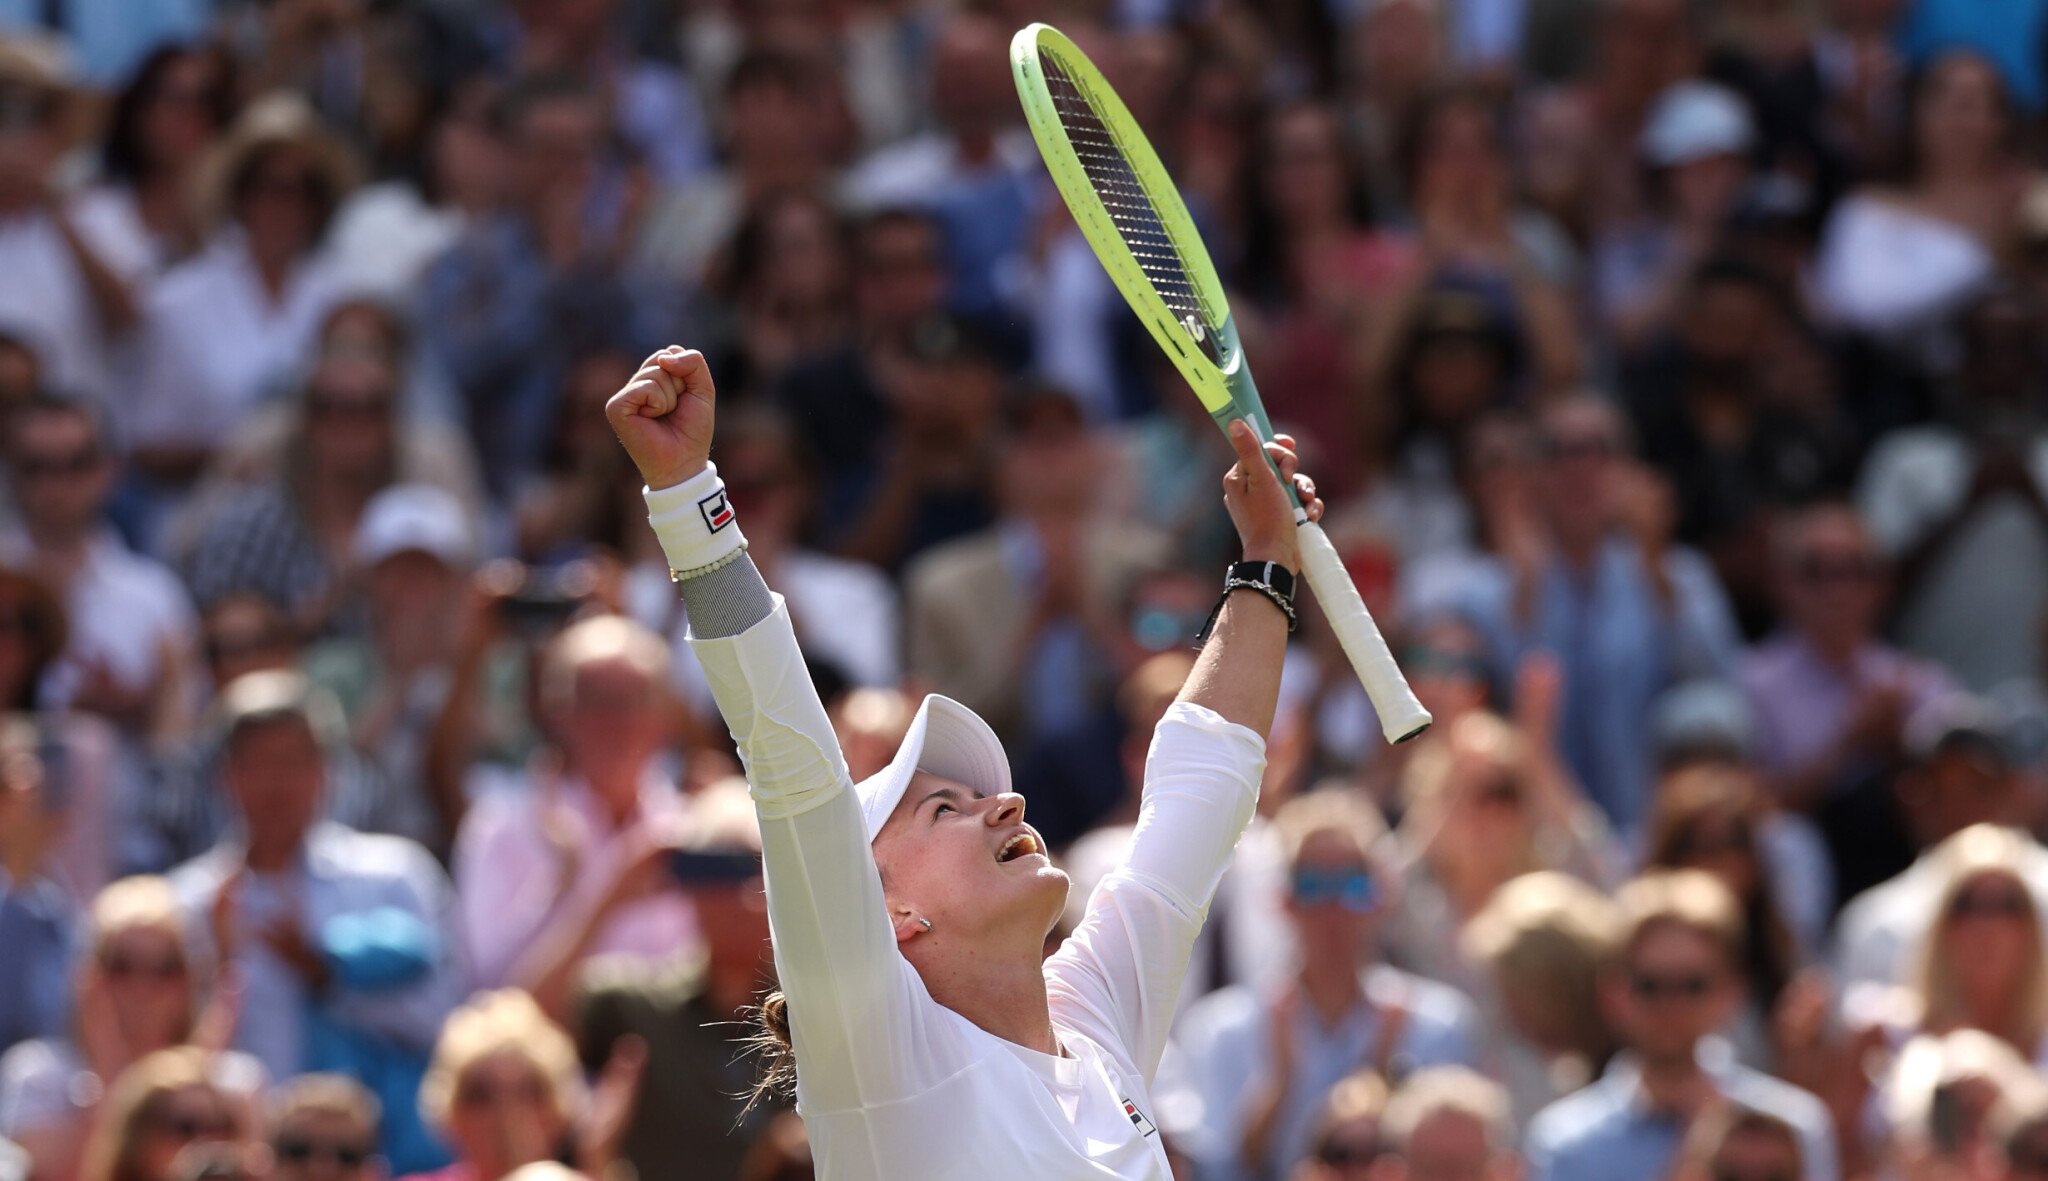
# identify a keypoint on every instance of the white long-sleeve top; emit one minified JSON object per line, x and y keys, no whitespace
{"x":891,"y":1084}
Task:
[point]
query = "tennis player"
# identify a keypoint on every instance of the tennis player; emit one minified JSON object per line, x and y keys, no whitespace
{"x":932,"y":1039}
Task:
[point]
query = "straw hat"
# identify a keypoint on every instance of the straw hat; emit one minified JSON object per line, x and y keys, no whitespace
{"x":277,"y":120}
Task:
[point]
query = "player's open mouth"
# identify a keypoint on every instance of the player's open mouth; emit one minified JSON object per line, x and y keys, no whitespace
{"x":1023,"y":844}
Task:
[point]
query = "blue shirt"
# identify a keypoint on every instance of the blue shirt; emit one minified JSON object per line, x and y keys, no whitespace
{"x":1227,"y":1042}
{"x":111,"y":37}
{"x":35,"y":973}
{"x":1608,"y":1132}
{"x":2008,"y":32}
{"x":1620,"y":647}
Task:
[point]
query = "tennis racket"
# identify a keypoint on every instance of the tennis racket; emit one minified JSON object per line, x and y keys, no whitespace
{"x":1132,"y":215}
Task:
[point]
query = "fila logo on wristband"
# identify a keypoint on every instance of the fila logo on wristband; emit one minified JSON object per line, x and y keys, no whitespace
{"x":717,"y":510}
{"x":1138,"y":1119}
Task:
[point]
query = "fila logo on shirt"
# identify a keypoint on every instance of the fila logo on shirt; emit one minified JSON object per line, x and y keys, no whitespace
{"x":1138,"y":1119}
{"x":717,"y":510}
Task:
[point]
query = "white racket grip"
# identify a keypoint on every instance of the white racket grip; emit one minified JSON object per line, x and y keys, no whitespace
{"x":1401,"y":715}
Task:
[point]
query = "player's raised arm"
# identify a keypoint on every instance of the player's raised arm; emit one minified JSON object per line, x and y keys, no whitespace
{"x":1238,"y":672}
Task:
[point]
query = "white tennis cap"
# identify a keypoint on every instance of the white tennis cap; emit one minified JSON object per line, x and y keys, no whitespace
{"x":945,"y":739}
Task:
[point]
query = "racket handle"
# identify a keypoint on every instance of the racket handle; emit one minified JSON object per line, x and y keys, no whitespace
{"x":1401,"y":715}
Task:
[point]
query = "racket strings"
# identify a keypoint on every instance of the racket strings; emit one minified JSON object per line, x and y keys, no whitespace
{"x":1123,"y":195}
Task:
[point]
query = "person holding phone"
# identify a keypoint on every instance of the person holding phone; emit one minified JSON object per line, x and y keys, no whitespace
{"x":928,"y":1034}
{"x":692,"y":1104}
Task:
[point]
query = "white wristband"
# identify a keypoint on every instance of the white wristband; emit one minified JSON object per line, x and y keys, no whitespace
{"x":695,"y":523}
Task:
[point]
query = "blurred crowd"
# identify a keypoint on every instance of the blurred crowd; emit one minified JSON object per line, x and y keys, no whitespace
{"x":1676,"y":372}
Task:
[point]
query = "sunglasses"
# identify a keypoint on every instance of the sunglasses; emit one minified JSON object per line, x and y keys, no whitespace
{"x":1353,"y":889}
{"x":1423,"y":660}
{"x":1653,"y":986}
{"x":491,"y":1094}
{"x":1990,"y":904}
{"x":1336,"y":1152}
{"x":299,"y":1150}
{"x":185,"y":1125}
{"x":126,"y":967}
{"x":52,"y":467}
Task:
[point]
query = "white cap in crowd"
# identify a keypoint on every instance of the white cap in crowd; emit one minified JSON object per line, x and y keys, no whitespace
{"x":415,"y":518}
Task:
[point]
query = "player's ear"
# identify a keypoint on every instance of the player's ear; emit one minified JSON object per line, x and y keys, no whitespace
{"x":908,"y":924}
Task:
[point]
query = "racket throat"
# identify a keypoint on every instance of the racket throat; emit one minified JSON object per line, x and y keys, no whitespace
{"x":1204,"y":339}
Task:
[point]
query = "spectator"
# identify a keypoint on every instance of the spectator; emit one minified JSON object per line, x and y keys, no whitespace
{"x":415,"y":549}
{"x":323,"y":1127}
{"x":184,"y":810}
{"x":288,"y":538}
{"x":844,"y":402}
{"x":975,"y":174}
{"x":163,"y":123}
{"x":1543,"y":939}
{"x":548,"y":276}
{"x":1962,"y":778}
{"x":140,"y":988}
{"x":78,"y":755}
{"x":1448,"y":1123}
{"x":1697,"y":149}
{"x":1485,"y":804}
{"x":1016,"y":621}
{"x":656,"y":109}
{"x":1895,"y":262}
{"x":1831,"y":698}
{"x":782,"y":287}
{"x":1943,"y":1103}
{"x":132,"y":650}
{"x":1962,"y":506}
{"x":1983,"y":964}
{"x":782,"y":129}
{"x":1736,"y":1143}
{"x":571,"y":859}
{"x":926,"y":478}
{"x":585,"y":495}
{"x":690,"y":1104}
{"x":1311,"y":260}
{"x":1263,"y":1062}
{"x":1347,"y":1142}
{"x":1710,"y":817}
{"x":1675,"y":980}
{"x":1736,"y":404}
{"x":346,"y":943}
{"x":1601,"y":585}
{"x":504,"y":1087}
{"x":165,"y":1102}
{"x":70,"y":293}
{"x":227,"y":327}
{"x":35,"y":913}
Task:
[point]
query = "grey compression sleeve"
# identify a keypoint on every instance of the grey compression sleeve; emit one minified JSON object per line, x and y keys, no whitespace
{"x":728,"y":600}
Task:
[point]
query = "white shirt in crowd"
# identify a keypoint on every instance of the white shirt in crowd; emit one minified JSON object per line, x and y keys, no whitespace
{"x":1881,"y":930}
{"x":45,"y":301}
{"x":891,"y":1084}
{"x":218,"y":343}
{"x":128,"y":614}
